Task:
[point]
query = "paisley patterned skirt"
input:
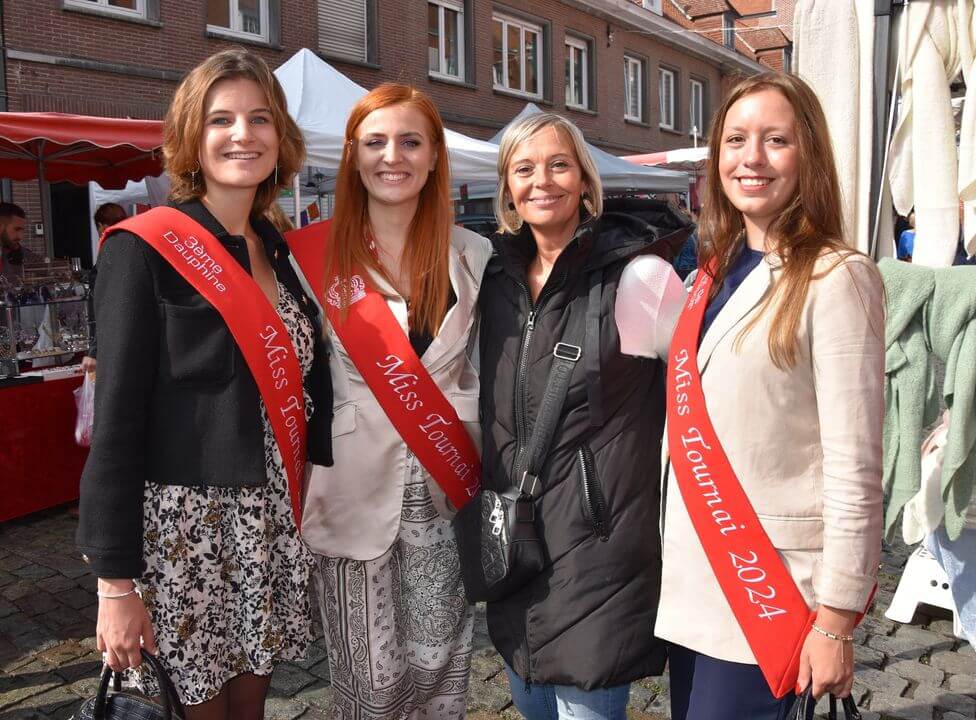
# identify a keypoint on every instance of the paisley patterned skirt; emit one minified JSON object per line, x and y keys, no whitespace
{"x":398,"y":628}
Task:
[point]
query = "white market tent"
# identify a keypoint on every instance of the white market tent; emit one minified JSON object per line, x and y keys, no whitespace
{"x":320,"y":99}
{"x":617,"y":174}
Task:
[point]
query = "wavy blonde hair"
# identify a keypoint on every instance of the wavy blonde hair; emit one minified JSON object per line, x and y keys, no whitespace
{"x":520,"y":131}
{"x":183,"y":127}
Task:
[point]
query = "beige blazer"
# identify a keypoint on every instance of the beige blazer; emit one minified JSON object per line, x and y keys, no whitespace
{"x":352,"y":509}
{"x":804,"y":442}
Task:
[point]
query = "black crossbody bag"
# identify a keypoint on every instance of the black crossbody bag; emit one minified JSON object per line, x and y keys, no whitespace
{"x":500,"y":549}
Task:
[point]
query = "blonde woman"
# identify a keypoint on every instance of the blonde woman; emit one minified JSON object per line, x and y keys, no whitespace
{"x":576,"y":636}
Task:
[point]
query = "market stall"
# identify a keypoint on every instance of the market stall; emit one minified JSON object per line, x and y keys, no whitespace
{"x":43,"y":316}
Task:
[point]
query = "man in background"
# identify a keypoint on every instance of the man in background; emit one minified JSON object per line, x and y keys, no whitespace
{"x":13,"y":254}
{"x":106,"y":216}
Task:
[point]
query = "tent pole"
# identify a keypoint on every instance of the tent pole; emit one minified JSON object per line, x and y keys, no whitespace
{"x":46,"y":214}
{"x":296,"y":188}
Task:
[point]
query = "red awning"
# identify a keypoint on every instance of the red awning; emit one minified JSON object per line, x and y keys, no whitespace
{"x":79,"y":148}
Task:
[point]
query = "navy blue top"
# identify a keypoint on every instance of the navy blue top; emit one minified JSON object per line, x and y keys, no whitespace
{"x":744,"y":264}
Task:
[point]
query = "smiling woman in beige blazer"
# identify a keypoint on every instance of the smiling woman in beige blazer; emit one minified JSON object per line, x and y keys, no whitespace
{"x":397,"y":625}
{"x":791,"y":358}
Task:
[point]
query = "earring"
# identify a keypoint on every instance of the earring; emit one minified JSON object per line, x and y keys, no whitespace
{"x":511,"y":205}
{"x":193,"y":175}
{"x":276,"y":175}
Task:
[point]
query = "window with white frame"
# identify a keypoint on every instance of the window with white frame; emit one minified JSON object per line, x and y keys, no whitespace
{"x":123,"y":8}
{"x":696,"y":107}
{"x":445,"y":38}
{"x":517,"y":63}
{"x":666,"y":90}
{"x":653,"y":5}
{"x":633,"y":88}
{"x":577,"y":73}
{"x":239,"y":18}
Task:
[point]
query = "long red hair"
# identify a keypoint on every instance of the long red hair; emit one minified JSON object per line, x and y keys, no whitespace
{"x":427,"y":249}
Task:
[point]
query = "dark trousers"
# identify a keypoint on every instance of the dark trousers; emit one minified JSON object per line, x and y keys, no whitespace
{"x":704,"y":688}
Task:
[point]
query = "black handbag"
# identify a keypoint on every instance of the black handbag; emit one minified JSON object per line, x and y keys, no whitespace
{"x":803,"y":707}
{"x":128,"y":704}
{"x":499,"y":547}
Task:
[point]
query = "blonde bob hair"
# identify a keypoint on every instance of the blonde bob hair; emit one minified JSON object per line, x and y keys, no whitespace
{"x":183,"y":127}
{"x":520,"y":131}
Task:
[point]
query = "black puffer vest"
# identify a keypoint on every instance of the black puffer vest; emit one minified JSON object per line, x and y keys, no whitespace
{"x":588,"y":619}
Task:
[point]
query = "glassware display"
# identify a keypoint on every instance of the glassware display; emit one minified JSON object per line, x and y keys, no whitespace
{"x":42,"y":324}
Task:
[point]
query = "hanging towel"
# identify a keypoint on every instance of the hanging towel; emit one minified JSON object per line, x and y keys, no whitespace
{"x":952,"y":337}
{"x":911,"y":397}
{"x":930,"y":311}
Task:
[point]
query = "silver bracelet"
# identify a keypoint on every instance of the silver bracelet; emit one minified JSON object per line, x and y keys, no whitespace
{"x":116,"y":597}
{"x":832,"y":636}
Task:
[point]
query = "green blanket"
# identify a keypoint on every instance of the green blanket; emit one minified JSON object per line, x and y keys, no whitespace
{"x":929,"y":311}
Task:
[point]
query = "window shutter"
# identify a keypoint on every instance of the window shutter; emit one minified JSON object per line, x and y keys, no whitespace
{"x":342,"y":28}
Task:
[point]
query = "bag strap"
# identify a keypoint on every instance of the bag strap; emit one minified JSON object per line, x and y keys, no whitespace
{"x":565,"y":354}
{"x":804,"y":705}
{"x":169,"y":698}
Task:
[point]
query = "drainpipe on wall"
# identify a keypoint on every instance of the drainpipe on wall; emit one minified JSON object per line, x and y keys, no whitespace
{"x":6,"y":190}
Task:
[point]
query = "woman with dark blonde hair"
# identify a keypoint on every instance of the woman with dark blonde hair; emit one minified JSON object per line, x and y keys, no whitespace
{"x":400,"y":288}
{"x":773,"y":513}
{"x":187,"y":497}
{"x":577,"y":290}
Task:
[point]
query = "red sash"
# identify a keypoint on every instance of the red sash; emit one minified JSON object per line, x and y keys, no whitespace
{"x":263,"y":339}
{"x":769,"y":607}
{"x":382,"y":353}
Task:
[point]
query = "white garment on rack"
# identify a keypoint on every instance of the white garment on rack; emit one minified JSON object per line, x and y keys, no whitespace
{"x":966,"y":21}
{"x":923,"y":166}
{"x":831,"y":34}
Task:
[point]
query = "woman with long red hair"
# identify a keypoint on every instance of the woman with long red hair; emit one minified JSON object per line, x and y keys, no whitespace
{"x":400,"y":291}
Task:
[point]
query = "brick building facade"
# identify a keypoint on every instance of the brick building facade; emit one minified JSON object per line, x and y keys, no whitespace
{"x":631,"y":75}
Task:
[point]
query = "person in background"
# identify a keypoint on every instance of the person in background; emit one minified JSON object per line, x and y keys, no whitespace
{"x":107,"y":215}
{"x":906,"y":239}
{"x":687,"y":259}
{"x":13,"y":253}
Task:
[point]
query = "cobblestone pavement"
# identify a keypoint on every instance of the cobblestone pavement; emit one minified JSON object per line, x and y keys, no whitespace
{"x":48,"y":660}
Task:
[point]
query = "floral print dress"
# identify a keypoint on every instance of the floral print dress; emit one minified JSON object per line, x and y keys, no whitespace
{"x":226,"y":581}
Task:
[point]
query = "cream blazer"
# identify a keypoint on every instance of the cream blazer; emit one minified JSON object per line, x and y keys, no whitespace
{"x":804,"y":442}
{"x":352,"y":509}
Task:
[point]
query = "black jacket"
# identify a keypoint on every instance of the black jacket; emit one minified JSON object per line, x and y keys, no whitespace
{"x":175,"y":403}
{"x":588,"y":619}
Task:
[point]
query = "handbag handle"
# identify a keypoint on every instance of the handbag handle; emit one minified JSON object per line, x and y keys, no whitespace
{"x":169,"y":698}
{"x":803,"y":707}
